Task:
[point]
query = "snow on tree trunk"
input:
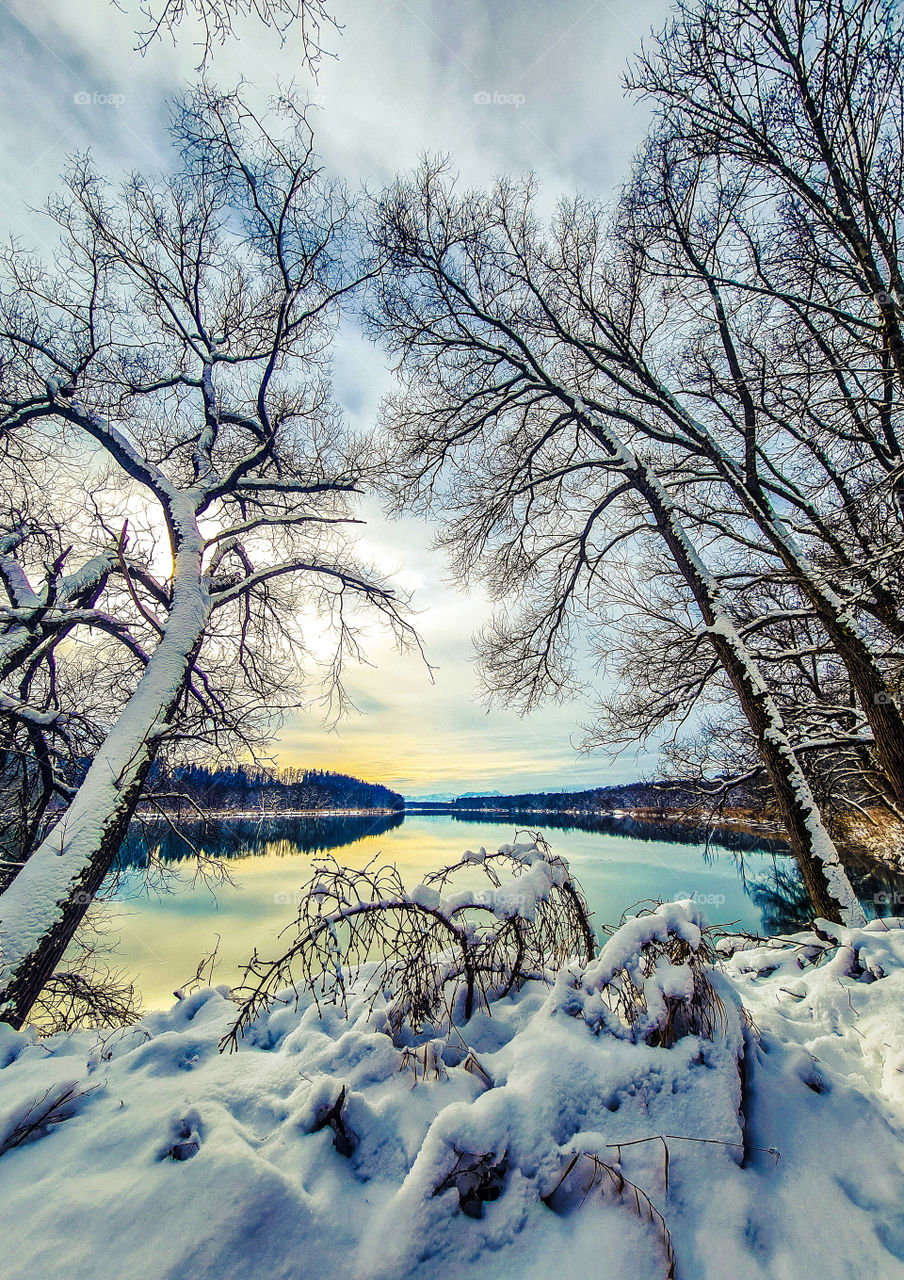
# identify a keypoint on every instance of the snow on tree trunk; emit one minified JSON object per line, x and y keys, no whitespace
{"x":827,"y":884}
{"x":42,"y":907}
{"x":882,"y":713}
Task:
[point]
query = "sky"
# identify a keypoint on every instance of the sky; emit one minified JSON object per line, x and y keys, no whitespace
{"x":501,"y":86}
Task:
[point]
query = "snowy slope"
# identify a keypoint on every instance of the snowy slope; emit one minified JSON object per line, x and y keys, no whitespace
{"x":179,"y":1160}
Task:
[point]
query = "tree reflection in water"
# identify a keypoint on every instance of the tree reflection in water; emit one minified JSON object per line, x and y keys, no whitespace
{"x":156,"y":841}
{"x":778,"y":895}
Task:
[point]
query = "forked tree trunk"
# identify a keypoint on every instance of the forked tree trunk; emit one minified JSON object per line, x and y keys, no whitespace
{"x":42,"y":908}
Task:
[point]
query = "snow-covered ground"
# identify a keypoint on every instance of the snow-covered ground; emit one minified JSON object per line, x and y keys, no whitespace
{"x":323,"y":1149}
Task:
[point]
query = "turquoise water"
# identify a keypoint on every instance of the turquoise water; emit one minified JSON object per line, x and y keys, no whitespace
{"x":169,"y":917}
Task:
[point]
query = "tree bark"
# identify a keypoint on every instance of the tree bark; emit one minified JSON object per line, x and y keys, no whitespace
{"x":825,"y":879}
{"x":44,"y":905}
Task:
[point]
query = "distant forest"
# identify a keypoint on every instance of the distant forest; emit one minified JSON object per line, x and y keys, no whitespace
{"x":245,"y":788}
{"x":664,"y":797}
{"x":249,"y":787}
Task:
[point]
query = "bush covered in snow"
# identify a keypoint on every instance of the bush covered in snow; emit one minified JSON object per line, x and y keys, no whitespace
{"x":439,"y":952}
{"x":650,"y":981}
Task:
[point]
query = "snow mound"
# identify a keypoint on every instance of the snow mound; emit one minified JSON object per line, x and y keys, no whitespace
{"x":323,"y":1147}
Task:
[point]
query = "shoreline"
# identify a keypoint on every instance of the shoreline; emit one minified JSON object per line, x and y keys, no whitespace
{"x":733,"y":823}
{"x":213,"y":815}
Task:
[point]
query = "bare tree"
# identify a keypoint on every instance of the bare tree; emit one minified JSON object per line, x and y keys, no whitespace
{"x":183,"y":336}
{"x":765,"y":418}
{"x":736,"y":326}
{"x":808,"y":96}
{"x":217,"y":19}
{"x":526,"y":373}
{"x":774,"y":184}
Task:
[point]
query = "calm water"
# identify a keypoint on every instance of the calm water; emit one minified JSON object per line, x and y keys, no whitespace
{"x":167,"y":925}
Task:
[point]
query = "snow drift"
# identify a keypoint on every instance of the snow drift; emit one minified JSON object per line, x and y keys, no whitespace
{"x":629,"y":1116}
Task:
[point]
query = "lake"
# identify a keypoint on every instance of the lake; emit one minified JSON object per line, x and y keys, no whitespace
{"x":167,"y":917}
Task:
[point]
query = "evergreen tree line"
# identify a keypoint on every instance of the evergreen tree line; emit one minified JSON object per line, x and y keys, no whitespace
{"x":668,"y":797}
{"x":244,"y":787}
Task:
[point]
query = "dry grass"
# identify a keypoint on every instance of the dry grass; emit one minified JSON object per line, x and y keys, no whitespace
{"x":870,"y":836}
{"x":585,"y":1171}
{"x":425,"y":1061}
{"x":58,"y":1103}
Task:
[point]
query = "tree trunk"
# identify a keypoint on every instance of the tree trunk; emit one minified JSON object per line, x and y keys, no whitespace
{"x":827,"y":884}
{"x":22,"y":986}
{"x":884,"y":717}
{"x":41,"y":909}
{"x":825,"y":879}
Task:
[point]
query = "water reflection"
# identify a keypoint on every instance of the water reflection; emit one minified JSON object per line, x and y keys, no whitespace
{"x":638,"y":829}
{"x":784,"y":906}
{"x":167,"y":918}
{"x":248,"y":837}
{"x":286,"y":837}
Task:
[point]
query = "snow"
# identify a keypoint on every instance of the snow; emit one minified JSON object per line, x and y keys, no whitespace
{"x":684,"y":919}
{"x":426,"y":896}
{"x":518,"y":894}
{"x":31,"y":905}
{"x":705,"y":587}
{"x":324,"y":1148}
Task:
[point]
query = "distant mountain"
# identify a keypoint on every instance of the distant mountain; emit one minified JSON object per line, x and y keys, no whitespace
{"x":450,"y":797}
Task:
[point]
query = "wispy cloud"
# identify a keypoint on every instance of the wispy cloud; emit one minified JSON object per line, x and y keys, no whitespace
{"x":499,"y":87}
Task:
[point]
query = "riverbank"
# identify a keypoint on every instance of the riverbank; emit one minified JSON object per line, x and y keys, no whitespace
{"x":729,"y":824}
{"x":654,"y":823}
{"x":550,"y":1139}
{"x":249,"y":815}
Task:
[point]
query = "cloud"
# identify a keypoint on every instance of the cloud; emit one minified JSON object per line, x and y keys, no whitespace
{"x":501,"y":87}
